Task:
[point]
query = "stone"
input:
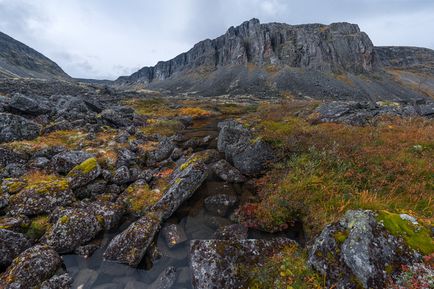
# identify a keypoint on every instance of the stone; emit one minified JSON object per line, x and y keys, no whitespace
{"x":39,"y":162}
{"x":248,"y":156}
{"x":358,"y":252}
{"x":93,"y":189}
{"x":20,"y":103}
{"x":63,"y":281}
{"x":121,"y":176}
{"x":227,"y":173}
{"x":232,"y":232}
{"x":220,"y":204}
{"x":73,"y":228}
{"x":11,"y":245}
{"x":215,"y":263}
{"x":110,"y":213}
{"x":31,"y":268}
{"x":8,"y":156}
{"x":163,"y":151}
{"x":84,"y":173}
{"x":14,"y":128}
{"x":66,"y":161}
{"x":86,"y":250}
{"x":173,"y":234}
{"x":117,"y":117}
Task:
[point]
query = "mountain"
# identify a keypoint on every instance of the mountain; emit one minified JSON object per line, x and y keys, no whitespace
{"x":335,"y":61}
{"x":17,"y":60}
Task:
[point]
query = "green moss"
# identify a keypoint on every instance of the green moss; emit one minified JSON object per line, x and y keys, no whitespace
{"x":341,"y":236}
{"x":38,"y":227}
{"x":188,"y":163}
{"x":138,"y":198}
{"x":13,"y":186}
{"x":85,"y":167}
{"x":64,"y":219}
{"x":417,"y":237}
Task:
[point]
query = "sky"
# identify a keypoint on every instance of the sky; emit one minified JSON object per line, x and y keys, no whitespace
{"x":103,"y":39}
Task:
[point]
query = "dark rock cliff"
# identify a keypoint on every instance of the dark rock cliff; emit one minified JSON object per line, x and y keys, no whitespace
{"x":19,"y":60}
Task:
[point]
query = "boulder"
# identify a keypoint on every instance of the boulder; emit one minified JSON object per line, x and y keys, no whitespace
{"x":359,"y":252}
{"x":118,"y":117}
{"x":66,"y":161}
{"x":227,"y":172}
{"x":84,"y":173}
{"x":163,"y":151}
{"x":20,"y":103}
{"x":247,"y":155}
{"x":173,"y":234}
{"x":41,"y":197}
{"x":73,"y":227}
{"x":11,"y":245}
{"x":14,"y":128}
{"x":220,"y":204}
{"x":110,"y":213}
{"x":121,"y":176}
{"x":63,"y":281}
{"x":215,"y":263}
{"x":31,"y":268}
{"x":130,"y":246}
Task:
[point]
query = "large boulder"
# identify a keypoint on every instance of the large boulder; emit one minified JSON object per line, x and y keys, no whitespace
{"x":130,"y":246}
{"x":215,"y":263}
{"x":31,"y":268}
{"x":84,"y":173}
{"x":358,"y":251}
{"x":14,"y":127}
{"x":119,"y":116}
{"x":23,"y":104}
{"x":66,"y":161}
{"x":248,"y":155}
{"x":11,"y":245}
{"x":73,"y":227}
{"x":41,"y":197}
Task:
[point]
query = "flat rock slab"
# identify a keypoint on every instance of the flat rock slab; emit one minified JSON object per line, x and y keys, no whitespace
{"x":214,"y":263}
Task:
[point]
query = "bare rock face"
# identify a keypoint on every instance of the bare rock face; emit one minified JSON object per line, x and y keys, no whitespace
{"x":214,"y":263}
{"x":335,"y":47}
{"x":359,"y":252}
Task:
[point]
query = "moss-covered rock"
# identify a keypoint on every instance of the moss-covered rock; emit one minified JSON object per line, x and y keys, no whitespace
{"x":139,"y":197}
{"x":84,"y":173}
{"x":41,"y":195}
{"x":37,"y":227}
{"x":13,"y":185}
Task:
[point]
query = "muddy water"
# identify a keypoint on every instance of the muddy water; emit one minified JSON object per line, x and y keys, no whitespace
{"x":94,"y":272}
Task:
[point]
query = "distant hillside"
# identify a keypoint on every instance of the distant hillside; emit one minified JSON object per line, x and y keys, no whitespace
{"x":19,"y":60}
{"x":335,"y":61}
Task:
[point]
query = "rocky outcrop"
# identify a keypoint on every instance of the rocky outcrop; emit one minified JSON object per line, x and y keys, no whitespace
{"x":14,"y":127}
{"x":249,"y":156}
{"x":216,"y":263}
{"x":358,"y":251}
{"x":19,"y":60}
{"x":406,"y":57}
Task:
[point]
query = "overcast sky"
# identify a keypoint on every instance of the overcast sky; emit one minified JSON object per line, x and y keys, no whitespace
{"x":107,"y":38}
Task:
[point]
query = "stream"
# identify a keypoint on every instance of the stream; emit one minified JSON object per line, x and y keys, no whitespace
{"x":197,"y":222}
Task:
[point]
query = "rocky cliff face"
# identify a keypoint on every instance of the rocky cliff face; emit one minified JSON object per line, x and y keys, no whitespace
{"x":330,"y":48}
{"x":19,"y":60}
{"x":414,"y":58}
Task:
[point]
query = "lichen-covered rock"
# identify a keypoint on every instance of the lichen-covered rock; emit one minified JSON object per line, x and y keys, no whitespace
{"x":227,"y":173}
{"x":130,"y":246}
{"x":73,"y":227}
{"x":84,"y":173}
{"x":138,"y":197}
{"x":63,"y":281}
{"x":65,"y":161}
{"x":31,"y":268}
{"x":14,"y":127}
{"x":14,"y":223}
{"x":41,"y":197}
{"x":247,"y":155}
{"x":359,"y":252}
{"x":122,"y":176}
{"x":162,"y":152}
{"x":215,"y":263}
{"x":108,"y":212}
{"x":8,"y":156}
{"x":13,"y":185}
{"x":220,"y":204}
{"x":173,"y":234}
{"x":11,"y":245}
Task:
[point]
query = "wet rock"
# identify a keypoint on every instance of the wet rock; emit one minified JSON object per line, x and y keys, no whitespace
{"x":214,"y":263}
{"x":86,"y":250}
{"x":14,"y":127}
{"x":173,"y":234}
{"x":247,"y":155}
{"x":41,"y":197}
{"x":232,"y":232}
{"x":65,"y":161}
{"x":63,"y":281}
{"x":31,"y":268}
{"x":74,"y":227}
{"x":228,"y":173}
{"x":84,"y":173}
{"x":164,"y":150}
{"x":358,"y":251}
{"x":220,"y":204}
{"x":166,"y":279}
{"x":130,"y":246}
{"x":11,"y":245}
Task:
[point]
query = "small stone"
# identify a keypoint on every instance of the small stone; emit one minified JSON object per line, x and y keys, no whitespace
{"x":174,"y":234}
